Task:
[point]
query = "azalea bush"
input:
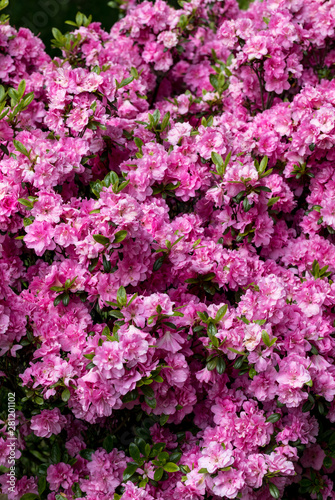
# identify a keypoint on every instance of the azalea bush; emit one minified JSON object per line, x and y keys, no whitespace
{"x":167,"y":218}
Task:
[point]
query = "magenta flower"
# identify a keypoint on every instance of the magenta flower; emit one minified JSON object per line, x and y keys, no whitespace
{"x":48,"y":422}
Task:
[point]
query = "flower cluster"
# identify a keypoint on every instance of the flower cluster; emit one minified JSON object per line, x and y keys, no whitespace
{"x":167,"y":276}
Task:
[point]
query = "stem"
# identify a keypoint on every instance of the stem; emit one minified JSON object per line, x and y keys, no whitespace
{"x":158,"y":82}
{"x":261,"y":86}
{"x":269,"y":100}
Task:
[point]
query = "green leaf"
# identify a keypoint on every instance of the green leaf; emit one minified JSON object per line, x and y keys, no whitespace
{"x":239,"y":362}
{"x":163,"y":456}
{"x":38,"y":455}
{"x":212,"y":331}
{"x":273,"y":200}
{"x":264,"y":188}
{"x":106,"y":331}
{"x":158,"y":263}
{"x":99,"y":238}
{"x":210,"y":121}
{"x":252,"y":372}
{"x":79,"y":19}
{"x":55,"y":453}
{"x":327,"y":462}
{"x":203,"y":316}
{"x":26,"y":203}
{"x":89,"y":356}
{"x":124,"y":82}
{"x":93,"y":265}
{"x":65,"y":395}
{"x":28,"y":99}
{"x":4,"y":148}
{"x":20,"y":148}
{"x":87,"y":453}
{"x":134,"y":452}
{"x":27,"y":221}
{"x":246,"y":205}
{"x":307,"y":406}
{"x":239,"y":196}
{"x":235,"y":350}
{"x":163,"y":419}
{"x":21,"y":88}
{"x":76,"y":490}
{"x":121,"y":296}
{"x":156,"y":116}
{"x":183,"y":21}
{"x":208,"y":277}
{"x":266,"y":338}
{"x":171,"y":186}
{"x":245,"y":320}
{"x":175,"y":456}
{"x":59,"y":37}
{"x":42,"y":484}
{"x":274,"y":418}
{"x":106,"y":264}
{"x":148,"y":391}
{"x":120,"y":236}
{"x":178,"y":313}
{"x":274,"y":492}
{"x":111,"y":178}
{"x":214,"y":81}
{"x":71,"y":23}
{"x":263,"y":164}
{"x":65,"y":299}
{"x":218,"y":161}
{"x":220,"y":366}
{"x":58,"y":300}
{"x":138,"y":142}
{"x":116,"y":314}
{"x":268,"y":172}
{"x":96,"y":188}
{"x":28,"y":496}
{"x":130,"y":396}
{"x":122,"y":186}
{"x":109,"y":443}
{"x":2,"y":93}
{"x":3,"y":5}
{"x":211,"y":364}
{"x":171,"y":467}
{"x":315,"y":269}
{"x":57,"y":288}
{"x":226,"y":161}
{"x":134,"y":72}
{"x":151,"y":402}
{"x":129,"y":471}
{"x":158,"y":474}
{"x":165,"y":121}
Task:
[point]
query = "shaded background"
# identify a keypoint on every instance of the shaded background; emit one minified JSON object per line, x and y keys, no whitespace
{"x":40,"y":16}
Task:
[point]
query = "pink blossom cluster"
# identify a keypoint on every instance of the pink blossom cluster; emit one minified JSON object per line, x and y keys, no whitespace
{"x":167,"y":218}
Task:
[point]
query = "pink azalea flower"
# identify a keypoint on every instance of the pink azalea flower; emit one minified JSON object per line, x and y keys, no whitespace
{"x":48,"y":422}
